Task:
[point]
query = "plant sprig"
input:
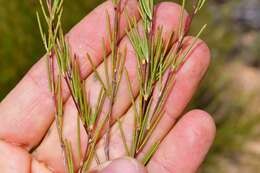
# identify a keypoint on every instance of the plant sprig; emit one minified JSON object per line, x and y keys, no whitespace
{"x":52,"y":16}
{"x":113,"y":79}
{"x":68,"y":69}
{"x":156,"y":56}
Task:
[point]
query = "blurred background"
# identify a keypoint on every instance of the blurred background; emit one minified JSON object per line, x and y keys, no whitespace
{"x":230,"y":91}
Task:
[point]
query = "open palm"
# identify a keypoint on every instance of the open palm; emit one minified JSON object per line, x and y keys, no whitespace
{"x":28,"y":137}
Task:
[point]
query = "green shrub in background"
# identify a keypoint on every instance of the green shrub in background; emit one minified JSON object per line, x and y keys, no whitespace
{"x":19,"y":46}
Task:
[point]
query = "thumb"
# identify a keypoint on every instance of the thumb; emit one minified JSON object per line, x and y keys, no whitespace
{"x":126,"y":165}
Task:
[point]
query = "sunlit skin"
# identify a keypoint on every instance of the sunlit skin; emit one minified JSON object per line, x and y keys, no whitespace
{"x":27,"y":113}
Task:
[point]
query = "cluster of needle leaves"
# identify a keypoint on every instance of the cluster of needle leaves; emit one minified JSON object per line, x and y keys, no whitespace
{"x":158,"y":60}
{"x":52,"y":13}
{"x":157,"y":57}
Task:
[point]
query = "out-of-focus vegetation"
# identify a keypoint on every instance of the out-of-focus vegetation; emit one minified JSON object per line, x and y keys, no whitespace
{"x":230,"y":91}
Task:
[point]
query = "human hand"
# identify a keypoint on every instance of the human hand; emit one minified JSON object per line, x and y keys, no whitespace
{"x":28,"y":136}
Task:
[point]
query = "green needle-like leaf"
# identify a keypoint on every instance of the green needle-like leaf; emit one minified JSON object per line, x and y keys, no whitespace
{"x":122,"y":133}
{"x":150,"y":153}
{"x":70,"y":163}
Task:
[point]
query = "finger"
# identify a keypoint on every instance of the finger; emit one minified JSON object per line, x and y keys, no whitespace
{"x":167,"y":15}
{"x":185,"y":147}
{"x":13,"y":159}
{"x":186,"y":83}
{"x":27,"y":112}
{"x":127,"y":165}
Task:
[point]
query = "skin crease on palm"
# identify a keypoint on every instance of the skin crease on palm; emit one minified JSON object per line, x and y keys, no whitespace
{"x":27,"y":113}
